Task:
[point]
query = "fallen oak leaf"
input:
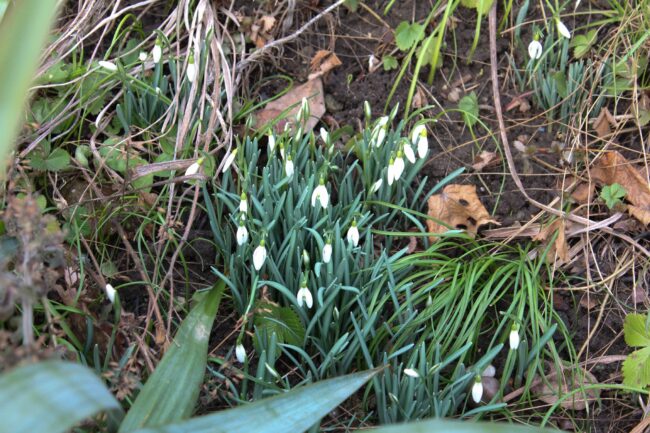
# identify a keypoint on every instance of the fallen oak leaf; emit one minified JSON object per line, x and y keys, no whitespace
{"x":612,"y":167}
{"x":457,"y":207}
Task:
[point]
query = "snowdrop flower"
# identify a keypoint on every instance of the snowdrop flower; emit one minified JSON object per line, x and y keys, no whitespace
{"x":562,"y":29}
{"x":412,"y":373}
{"x":353,"y":234}
{"x":304,"y":112}
{"x":399,"y":165}
{"x":110,"y":293}
{"x":379,"y":132}
{"x":271,"y":142}
{"x":419,"y":138}
{"x":477,"y":390}
{"x":108,"y":65}
{"x":242,"y":234}
{"x":324,"y":135}
{"x":282,"y":150}
{"x":194,"y":168}
{"x":391,"y":171}
{"x":156,"y":53}
{"x":375,"y":186}
{"x":243,"y":203}
{"x":408,"y":152}
{"x":191,"y":69}
{"x":327,"y":251}
{"x":366,"y":109}
{"x":304,"y":296}
{"x":240,"y":353}
{"x":514,"y":337}
{"x":259,"y":256}
{"x":229,"y":160}
{"x":142,"y":56}
{"x":288,"y":166}
{"x":320,"y":193}
{"x":535,"y":49}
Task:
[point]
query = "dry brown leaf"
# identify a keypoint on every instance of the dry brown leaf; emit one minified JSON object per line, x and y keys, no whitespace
{"x":612,"y":167}
{"x":583,"y":193}
{"x":312,"y":90}
{"x":267,"y":22}
{"x":604,"y":122}
{"x":558,"y":253}
{"x":459,"y":207}
{"x":551,"y":388}
{"x":486,"y":159}
{"x":323,"y":62}
{"x":419,"y":99}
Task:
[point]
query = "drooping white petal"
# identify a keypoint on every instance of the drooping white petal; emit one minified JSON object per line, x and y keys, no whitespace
{"x":562,"y":29}
{"x":320,"y":193}
{"x":243,"y":205}
{"x":381,"y":136}
{"x":417,"y":131}
{"x":423,"y":146}
{"x":288,"y":167}
{"x":391,"y":172}
{"x":142,"y":56}
{"x":535,"y":49}
{"x":191,"y":71}
{"x":412,"y":373}
{"x":108,"y":65}
{"x":242,"y":235}
{"x":193,"y":169}
{"x":327,"y":253}
{"x":110,"y":293}
{"x":399,"y":167}
{"x":271,"y":143}
{"x":304,"y":296}
{"x":353,"y":235}
{"x":156,"y":53}
{"x":240,"y":353}
{"x":229,"y":161}
{"x":477,"y":391}
{"x":259,"y":257}
{"x":408,"y":152}
{"x":375,"y":186}
{"x":324,"y":135}
{"x":514,"y":339}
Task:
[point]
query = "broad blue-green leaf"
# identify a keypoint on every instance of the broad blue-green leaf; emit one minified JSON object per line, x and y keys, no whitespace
{"x":294,"y":411}
{"x":172,"y":391}
{"x":27,"y":21}
{"x":448,"y":426}
{"x":51,"y":397}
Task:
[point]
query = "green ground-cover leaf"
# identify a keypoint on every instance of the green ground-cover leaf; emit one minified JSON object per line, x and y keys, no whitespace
{"x":612,"y":194}
{"x":636,"y":368}
{"x":635,"y":330}
{"x":51,"y":397}
{"x":468,"y":105}
{"x":407,"y":35}
{"x":171,"y":392}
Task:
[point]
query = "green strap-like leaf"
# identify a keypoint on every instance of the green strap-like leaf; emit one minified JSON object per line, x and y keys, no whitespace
{"x":172,"y":391}
{"x":23,"y":32}
{"x":51,"y":397}
{"x":449,"y":426}
{"x":294,"y":411}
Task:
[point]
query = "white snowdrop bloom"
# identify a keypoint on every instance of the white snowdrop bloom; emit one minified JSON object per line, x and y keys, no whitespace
{"x":229,"y":161}
{"x":408,"y":153}
{"x":375,"y":186}
{"x":391,"y":171}
{"x":381,"y":136}
{"x":562,"y":29}
{"x":243,"y":203}
{"x":324,"y":135}
{"x":320,"y":193}
{"x":191,"y":69}
{"x":304,"y":112}
{"x":259,"y":256}
{"x":282,"y":150}
{"x":353,"y":234}
{"x":477,"y":390}
{"x":399,"y":166}
{"x":288,"y":166}
{"x":271,"y":142}
{"x":379,"y":132}
{"x":514,"y":337}
{"x":242,"y":234}
{"x":304,"y":297}
{"x":419,"y":138}
{"x":156,"y":53}
{"x":577,"y":4}
{"x":535,"y":49}
{"x":327,"y":252}
{"x":412,"y":373}
{"x":142,"y":56}
{"x":194,"y":168}
{"x":240,"y":353}
{"x":108,"y":65}
{"x":110,"y":293}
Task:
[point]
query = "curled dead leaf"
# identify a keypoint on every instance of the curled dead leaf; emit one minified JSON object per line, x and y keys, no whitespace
{"x":604,"y":122}
{"x":323,"y":62}
{"x":558,"y":252}
{"x":612,"y":167}
{"x":552,"y":388}
{"x":459,"y":207}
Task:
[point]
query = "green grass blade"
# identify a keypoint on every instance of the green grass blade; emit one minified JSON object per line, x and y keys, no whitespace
{"x":447,"y":426}
{"x":172,"y":391}
{"x":294,"y":411}
{"x":24,"y":27}
{"x":51,"y":397}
